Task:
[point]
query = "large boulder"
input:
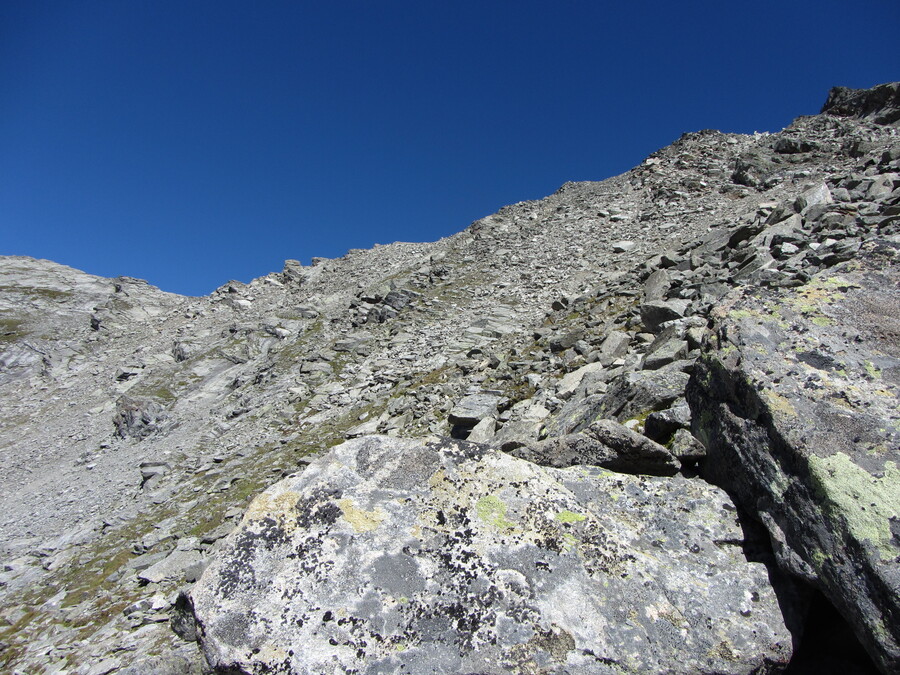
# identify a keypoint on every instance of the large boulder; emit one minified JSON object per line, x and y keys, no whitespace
{"x":389,"y":555}
{"x":797,"y":400}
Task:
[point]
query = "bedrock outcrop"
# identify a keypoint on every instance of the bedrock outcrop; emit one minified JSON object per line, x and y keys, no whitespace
{"x":392,"y":555}
{"x":797,"y":399}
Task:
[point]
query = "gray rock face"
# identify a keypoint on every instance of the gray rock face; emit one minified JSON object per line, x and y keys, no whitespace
{"x":798,"y":404}
{"x":394,"y":556}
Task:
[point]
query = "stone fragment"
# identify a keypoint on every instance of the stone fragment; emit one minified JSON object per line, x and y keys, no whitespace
{"x":363,"y":429}
{"x":570,"y":382}
{"x":623,"y":246}
{"x":559,"y":343}
{"x":666,"y":351}
{"x":657,"y":312}
{"x":470,"y":410}
{"x":785,"y":145}
{"x":662,"y":424}
{"x":152,"y":470}
{"x":656,"y":285}
{"x":390,"y":555}
{"x":138,"y":418}
{"x":172,"y":567}
{"x":483,"y":432}
{"x":685,"y":447}
{"x":604,"y":443}
{"x":815,"y":196}
{"x":638,"y":394}
{"x":614,"y":346}
{"x":517,"y":433}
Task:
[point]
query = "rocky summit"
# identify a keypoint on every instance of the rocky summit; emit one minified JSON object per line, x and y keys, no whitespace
{"x":644,"y":425}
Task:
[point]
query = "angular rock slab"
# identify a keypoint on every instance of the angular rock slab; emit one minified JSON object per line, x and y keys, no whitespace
{"x":389,"y":555}
{"x":798,"y":403}
{"x":606,"y":444}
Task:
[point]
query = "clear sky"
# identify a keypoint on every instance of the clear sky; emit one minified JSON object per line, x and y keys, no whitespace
{"x":189,"y":143}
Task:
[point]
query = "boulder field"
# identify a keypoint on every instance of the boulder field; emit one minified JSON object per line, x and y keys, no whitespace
{"x":644,"y":425}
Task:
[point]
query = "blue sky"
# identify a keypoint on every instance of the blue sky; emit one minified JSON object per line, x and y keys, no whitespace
{"x":189,"y":143}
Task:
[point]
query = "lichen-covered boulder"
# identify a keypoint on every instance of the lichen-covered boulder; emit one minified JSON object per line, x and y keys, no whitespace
{"x":395,"y":556}
{"x":797,"y":400}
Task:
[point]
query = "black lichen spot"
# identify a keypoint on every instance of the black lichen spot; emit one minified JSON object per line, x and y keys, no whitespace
{"x":319,"y":508}
{"x":240,"y":572}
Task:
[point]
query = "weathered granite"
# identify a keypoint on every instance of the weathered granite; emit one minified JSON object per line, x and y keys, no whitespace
{"x":390,"y":555}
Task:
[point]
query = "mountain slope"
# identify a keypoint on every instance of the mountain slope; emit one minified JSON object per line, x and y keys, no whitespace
{"x":137,"y":425}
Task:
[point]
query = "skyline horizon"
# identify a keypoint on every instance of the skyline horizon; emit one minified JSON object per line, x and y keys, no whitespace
{"x":188,"y":147}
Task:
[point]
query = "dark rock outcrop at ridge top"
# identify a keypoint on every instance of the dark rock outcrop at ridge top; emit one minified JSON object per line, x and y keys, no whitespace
{"x":136,"y":426}
{"x":881,"y":104}
{"x":391,"y":555}
{"x":797,"y":400}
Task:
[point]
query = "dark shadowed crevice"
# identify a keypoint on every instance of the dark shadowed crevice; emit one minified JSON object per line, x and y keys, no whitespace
{"x":828,"y":645}
{"x":824,"y":642}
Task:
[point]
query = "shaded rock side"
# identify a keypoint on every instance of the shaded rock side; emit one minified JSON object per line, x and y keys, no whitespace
{"x":606,"y":444}
{"x":798,"y":403}
{"x":391,"y":555}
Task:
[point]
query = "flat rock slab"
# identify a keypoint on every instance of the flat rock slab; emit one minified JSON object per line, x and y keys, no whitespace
{"x":470,"y":410}
{"x":798,"y":404}
{"x":388,"y":555}
{"x":174,"y":566}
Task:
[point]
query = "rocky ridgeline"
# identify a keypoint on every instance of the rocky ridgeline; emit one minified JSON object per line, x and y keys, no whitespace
{"x":643,"y":425}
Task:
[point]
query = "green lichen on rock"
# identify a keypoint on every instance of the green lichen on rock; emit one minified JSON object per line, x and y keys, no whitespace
{"x":863,"y":502}
{"x":492,"y":510}
{"x":569,"y":517}
{"x":779,"y":404}
{"x":872,"y":370}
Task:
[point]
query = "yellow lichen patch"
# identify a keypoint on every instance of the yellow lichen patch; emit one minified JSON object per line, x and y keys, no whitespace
{"x":437,"y":478}
{"x":816,"y":294}
{"x":492,"y":510}
{"x":873,"y":371}
{"x":360,"y":519}
{"x":265,"y":505}
{"x":569,"y":517}
{"x":818,"y":559}
{"x":779,"y":404}
{"x":862,"y":502}
{"x":271,"y":653}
